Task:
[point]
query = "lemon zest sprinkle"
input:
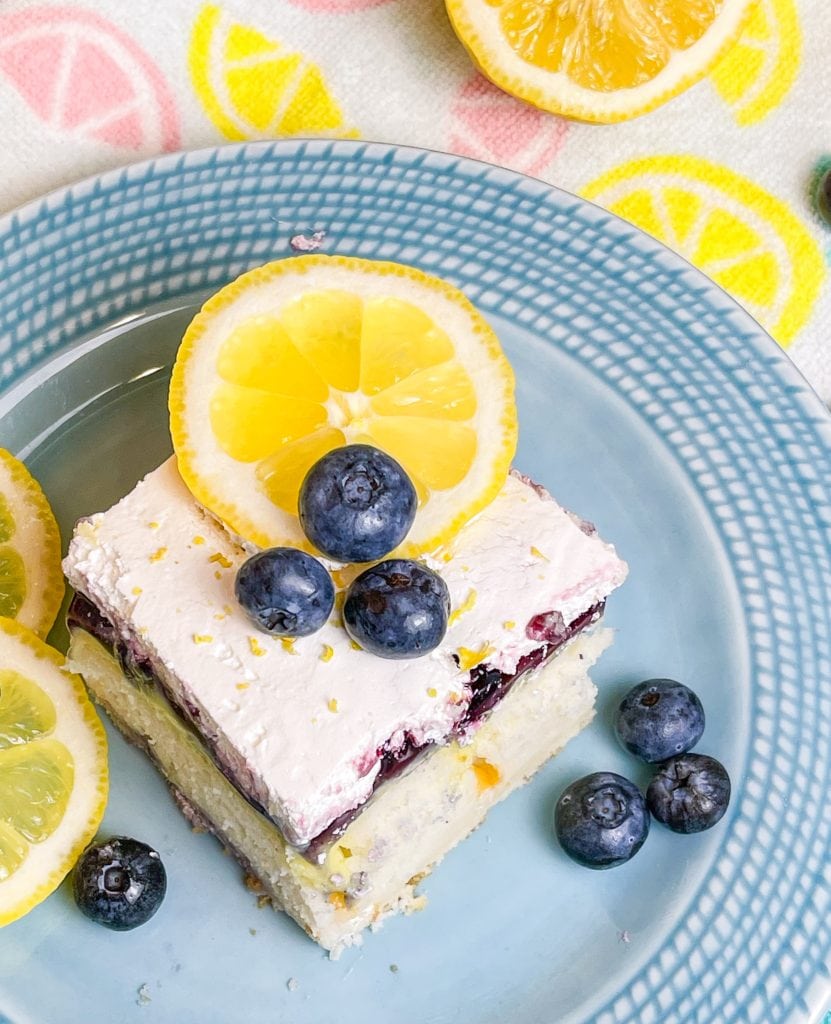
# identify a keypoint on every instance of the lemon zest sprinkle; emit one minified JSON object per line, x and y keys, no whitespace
{"x":256,"y":649}
{"x":470,"y":659}
{"x":465,"y":606}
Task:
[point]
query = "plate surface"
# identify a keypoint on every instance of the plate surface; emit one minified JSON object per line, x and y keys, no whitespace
{"x":649,"y":403}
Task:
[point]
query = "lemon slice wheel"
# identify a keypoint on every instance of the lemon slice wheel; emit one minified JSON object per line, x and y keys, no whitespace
{"x":596,"y":60}
{"x":31,"y":581}
{"x":741,"y":236}
{"x":53,"y":770}
{"x":301,"y":356}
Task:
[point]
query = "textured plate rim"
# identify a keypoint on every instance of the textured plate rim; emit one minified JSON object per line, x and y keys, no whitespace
{"x":777,"y":363}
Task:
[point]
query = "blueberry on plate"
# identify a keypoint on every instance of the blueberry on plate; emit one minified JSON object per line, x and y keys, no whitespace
{"x":397,"y":609}
{"x":690,"y":793}
{"x":658,"y":719}
{"x":119,"y":883}
{"x":285,"y":591}
{"x":356,"y":504}
{"x":601,"y":820}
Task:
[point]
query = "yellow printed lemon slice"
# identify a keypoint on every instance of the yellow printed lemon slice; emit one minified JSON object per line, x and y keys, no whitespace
{"x":53,"y":770}
{"x":596,"y":60}
{"x":301,"y":356}
{"x":31,"y":581}
{"x":754,"y":76}
{"x":253,"y":87}
{"x":742,"y":237}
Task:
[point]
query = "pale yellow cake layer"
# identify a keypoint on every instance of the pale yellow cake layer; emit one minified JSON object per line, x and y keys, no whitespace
{"x":406,"y":828}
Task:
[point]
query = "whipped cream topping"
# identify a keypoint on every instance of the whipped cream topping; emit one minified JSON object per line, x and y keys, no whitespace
{"x":303,"y":722}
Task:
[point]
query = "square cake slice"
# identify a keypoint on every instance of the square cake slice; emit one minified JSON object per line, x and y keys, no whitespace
{"x":339,"y":778}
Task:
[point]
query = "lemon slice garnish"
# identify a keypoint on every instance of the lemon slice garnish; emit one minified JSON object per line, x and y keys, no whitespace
{"x":31,"y":581}
{"x":53,"y":770}
{"x":301,"y":356}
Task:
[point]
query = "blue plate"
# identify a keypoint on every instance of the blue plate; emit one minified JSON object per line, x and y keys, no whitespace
{"x":649,"y":402}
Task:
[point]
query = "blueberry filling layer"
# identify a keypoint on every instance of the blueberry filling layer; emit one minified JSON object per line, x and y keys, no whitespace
{"x":487,"y":684}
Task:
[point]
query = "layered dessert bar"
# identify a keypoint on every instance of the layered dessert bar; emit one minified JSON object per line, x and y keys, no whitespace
{"x":339,"y":779}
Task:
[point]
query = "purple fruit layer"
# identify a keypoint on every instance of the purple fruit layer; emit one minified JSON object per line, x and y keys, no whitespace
{"x":487,"y":684}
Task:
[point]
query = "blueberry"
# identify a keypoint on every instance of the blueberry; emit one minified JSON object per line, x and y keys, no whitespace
{"x":356,"y":504}
{"x":119,"y":883}
{"x":397,"y":609}
{"x":659,"y":718}
{"x":690,"y":793}
{"x":601,"y":820}
{"x":285,"y":591}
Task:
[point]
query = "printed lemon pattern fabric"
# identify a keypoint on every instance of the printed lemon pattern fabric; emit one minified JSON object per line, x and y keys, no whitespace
{"x":758,"y":72}
{"x":86,"y":80}
{"x":741,"y":236}
{"x":252,"y":86}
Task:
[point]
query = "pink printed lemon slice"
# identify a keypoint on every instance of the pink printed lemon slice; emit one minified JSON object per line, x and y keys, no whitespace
{"x":85,"y":78}
{"x":53,"y":770}
{"x":301,"y":356}
{"x":596,"y":60}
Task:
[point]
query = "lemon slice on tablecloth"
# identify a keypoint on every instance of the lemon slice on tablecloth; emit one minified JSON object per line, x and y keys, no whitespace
{"x":31,"y":581}
{"x":596,"y":60}
{"x":755,"y":74}
{"x":742,"y":237}
{"x":53,"y":770}
{"x":301,"y":356}
{"x":254,"y":87}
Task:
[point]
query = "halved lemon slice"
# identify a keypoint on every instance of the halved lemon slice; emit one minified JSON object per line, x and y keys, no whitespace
{"x":596,"y":60}
{"x":53,"y":770}
{"x":299,"y":357}
{"x":31,"y":581}
{"x":741,"y":236}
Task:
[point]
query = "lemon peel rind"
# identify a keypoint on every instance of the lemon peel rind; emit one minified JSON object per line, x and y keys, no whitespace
{"x":43,"y":601}
{"x":807,"y":264}
{"x":587,"y":110}
{"x":14,"y":631}
{"x":229,"y":513}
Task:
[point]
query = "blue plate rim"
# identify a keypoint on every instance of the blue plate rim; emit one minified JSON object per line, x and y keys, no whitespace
{"x":797,"y":387}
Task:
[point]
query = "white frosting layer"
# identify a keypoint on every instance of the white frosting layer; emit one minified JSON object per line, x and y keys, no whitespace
{"x":301,"y":725}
